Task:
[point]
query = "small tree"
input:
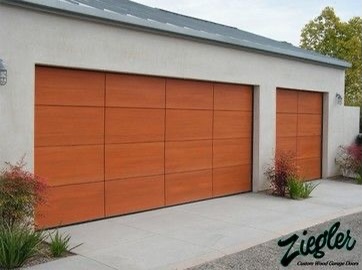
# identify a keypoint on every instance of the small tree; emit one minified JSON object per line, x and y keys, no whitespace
{"x":20,"y":193}
{"x":328,"y":35}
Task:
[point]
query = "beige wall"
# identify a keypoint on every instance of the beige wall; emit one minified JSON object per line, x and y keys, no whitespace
{"x":31,"y":38}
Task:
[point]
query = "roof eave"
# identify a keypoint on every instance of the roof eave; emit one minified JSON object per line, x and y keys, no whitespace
{"x":153,"y":26}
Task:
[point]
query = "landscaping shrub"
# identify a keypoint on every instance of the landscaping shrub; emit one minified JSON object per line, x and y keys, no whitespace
{"x":349,"y":159}
{"x":282,"y":168}
{"x":356,"y":153}
{"x":298,"y":189}
{"x":20,"y":192}
{"x":359,"y":176}
{"x":18,"y":244}
{"x":59,"y":244}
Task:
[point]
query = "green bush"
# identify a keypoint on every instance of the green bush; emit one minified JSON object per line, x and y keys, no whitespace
{"x":298,"y":189}
{"x":18,"y":244}
{"x":20,"y":192}
{"x":59,"y":244}
{"x":359,"y":176}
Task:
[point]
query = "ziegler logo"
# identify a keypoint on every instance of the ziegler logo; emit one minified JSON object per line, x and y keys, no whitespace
{"x":315,"y":245}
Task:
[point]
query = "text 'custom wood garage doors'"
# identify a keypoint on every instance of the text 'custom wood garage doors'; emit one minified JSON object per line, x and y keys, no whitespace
{"x":299,"y":129}
{"x":112,"y":144}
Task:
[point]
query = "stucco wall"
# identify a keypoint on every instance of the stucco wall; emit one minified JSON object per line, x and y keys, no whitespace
{"x":350,"y":129}
{"x":31,"y":38}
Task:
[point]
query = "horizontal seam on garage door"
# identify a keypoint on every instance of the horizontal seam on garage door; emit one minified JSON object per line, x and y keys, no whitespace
{"x":76,"y":184}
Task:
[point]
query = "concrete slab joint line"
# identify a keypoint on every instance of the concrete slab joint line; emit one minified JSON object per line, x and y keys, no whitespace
{"x":187,"y":235}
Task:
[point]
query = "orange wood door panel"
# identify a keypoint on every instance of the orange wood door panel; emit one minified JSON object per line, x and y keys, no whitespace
{"x":232,"y":124}
{"x":309,"y":102}
{"x":309,"y":147}
{"x":310,"y":169}
{"x":71,"y":204}
{"x":287,"y":101}
{"x":231,"y":152}
{"x":233,"y":97}
{"x":68,"y":125}
{"x":299,"y":129}
{"x":309,"y":125}
{"x":287,"y":145}
{"x":63,"y":165}
{"x":58,"y":86}
{"x":188,"y":125}
{"x":187,"y":187}
{"x":188,"y":156}
{"x":135,"y":91}
{"x":185,"y":94}
{"x":287,"y":125}
{"x":231,"y":180}
{"x":134,"y":194}
{"x":134,"y":125}
{"x":134,"y":160}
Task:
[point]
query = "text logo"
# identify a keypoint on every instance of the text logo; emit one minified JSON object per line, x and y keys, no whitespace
{"x":314,"y":245}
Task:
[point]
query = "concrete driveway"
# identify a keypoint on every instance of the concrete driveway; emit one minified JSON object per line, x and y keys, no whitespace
{"x":186,"y":235}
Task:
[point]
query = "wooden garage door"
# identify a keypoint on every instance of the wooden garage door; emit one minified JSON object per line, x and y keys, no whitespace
{"x":69,"y":144}
{"x":112,"y":144}
{"x":299,"y":129}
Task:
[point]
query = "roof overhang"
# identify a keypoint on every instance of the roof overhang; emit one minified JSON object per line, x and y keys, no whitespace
{"x":93,"y":14}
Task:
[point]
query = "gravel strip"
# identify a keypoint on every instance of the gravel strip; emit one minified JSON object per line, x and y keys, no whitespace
{"x":268,"y":255}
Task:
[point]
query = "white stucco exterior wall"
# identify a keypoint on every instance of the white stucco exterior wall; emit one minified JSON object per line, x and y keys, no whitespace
{"x":31,"y":38}
{"x":350,"y":129}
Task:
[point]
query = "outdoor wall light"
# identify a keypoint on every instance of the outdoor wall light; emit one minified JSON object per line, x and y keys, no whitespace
{"x":3,"y":73}
{"x":339,"y":99}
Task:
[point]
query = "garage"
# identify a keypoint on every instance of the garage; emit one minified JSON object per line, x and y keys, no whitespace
{"x":299,"y":129}
{"x":111,"y":144}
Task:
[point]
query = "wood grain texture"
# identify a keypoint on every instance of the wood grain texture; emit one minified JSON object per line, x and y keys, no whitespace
{"x":63,"y":165}
{"x":187,"y":94}
{"x":301,"y":130}
{"x":233,"y":97}
{"x":59,"y":86}
{"x":309,"y":147}
{"x":55,"y":126}
{"x":188,"y":125}
{"x":188,"y":156}
{"x":71,"y":204}
{"x":287,"y":145}
{"x":231,"y":152}
{"x":231,"y":180}
{"x":309,"y":125}
{"x":310,"y":169}
{"x":287,"y":101}
{"x":232,"y":124}
{"x":134,"y":160}
{"x":134,"y":194}
{"x":135,"y":91}
{"x":187,"y":187}
{"x":134,"y":125}
{"x":286,"y":125}
{"x":310,"y":102}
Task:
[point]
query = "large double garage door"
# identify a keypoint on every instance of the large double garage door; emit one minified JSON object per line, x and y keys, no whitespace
{"x":110,"y":144}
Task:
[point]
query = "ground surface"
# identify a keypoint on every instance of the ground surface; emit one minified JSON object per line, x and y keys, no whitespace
{"x":268,"y":255}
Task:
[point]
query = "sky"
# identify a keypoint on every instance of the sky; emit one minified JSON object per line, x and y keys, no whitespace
{"x":281,"y":20}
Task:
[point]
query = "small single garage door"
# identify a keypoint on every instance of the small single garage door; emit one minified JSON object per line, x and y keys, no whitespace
{"x":111,"y":144}
{"x":299,"y":129}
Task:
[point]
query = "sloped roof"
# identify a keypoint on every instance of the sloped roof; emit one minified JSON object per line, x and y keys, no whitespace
{"x":131,"y":14}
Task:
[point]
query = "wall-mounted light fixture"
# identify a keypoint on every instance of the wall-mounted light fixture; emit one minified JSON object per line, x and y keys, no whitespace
{"x":339,"y":99}
{"x":3,"y":73}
